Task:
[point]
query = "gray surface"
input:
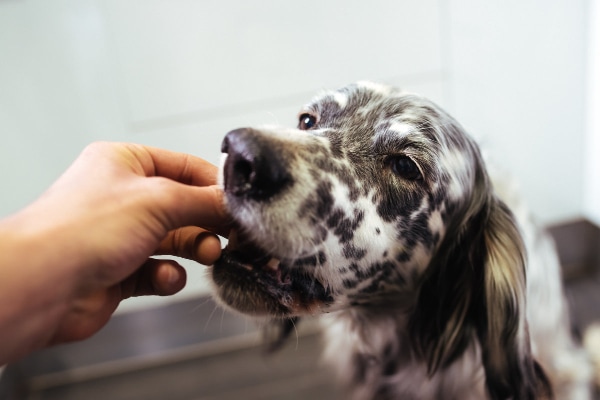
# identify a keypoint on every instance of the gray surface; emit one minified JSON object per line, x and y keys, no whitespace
{"x":243,"y":373}
{"x":578,"y":244}
{"x":187,"y":350}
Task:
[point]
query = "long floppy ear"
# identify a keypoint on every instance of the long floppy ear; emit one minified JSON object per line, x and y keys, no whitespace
{"x":475,"y":290}
{"x":511,"y":371}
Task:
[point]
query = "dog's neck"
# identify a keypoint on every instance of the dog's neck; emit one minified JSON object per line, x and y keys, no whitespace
{"x":371,"y":353}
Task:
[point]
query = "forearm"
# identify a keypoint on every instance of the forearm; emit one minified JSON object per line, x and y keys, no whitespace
{"x":35,"y":282}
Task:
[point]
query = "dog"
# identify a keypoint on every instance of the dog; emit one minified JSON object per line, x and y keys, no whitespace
{"x":378,"y":212}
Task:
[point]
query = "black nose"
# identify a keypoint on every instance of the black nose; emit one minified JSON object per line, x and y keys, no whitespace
{"x":254,"y":168}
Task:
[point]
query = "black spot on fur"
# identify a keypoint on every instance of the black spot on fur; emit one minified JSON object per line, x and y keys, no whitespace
{"x":383,"y":278}
{"x":390,"y":365}
{"x":318,"y":206}
{"x":362,"y":364}
{"x":309,"y":289}
{"x":336,"y":146}
{"x":449,"y":211}
{"x":325,"y":199}
{"x":343,"y":226}
{"x":390,"y":368}
{"x":415,"y":231}
{"x":322,"y":257}
{"x":390,"y":206}
{"x":437,"y":198}
{"x":436,"y":238}
{"x":335,"y":218}
{"x":378,"y":273}
{"x":350,"y":283}
{"x":403,"y":256}
{"x":354,"y":193}
{"x":351,"y":252}
{"x":311,"y":261}
{"x":420,"y":226}
{"x":321,"y":234}
{"x":373,"y":287}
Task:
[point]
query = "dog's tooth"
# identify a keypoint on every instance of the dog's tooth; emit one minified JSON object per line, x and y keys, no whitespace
{"x":232,"y":240}
{"x":273,"y":264}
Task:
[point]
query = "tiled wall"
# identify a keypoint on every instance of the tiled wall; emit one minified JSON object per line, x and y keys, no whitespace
{"x":180,"y":74}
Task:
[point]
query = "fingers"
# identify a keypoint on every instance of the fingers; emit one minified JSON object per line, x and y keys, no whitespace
{"x":192,"y":243}
{"x":189,"y":194}
{"x":180,"y":167}
{"x":155,"y":277}
{"x":180,"y":205}
{"x":181,"y":189}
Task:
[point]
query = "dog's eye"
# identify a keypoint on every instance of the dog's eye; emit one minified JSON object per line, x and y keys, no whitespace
{"x":405,"y":167}
{"x":307,"y":121}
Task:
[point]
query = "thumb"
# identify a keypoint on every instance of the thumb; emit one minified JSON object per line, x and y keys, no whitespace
{"x":184,"y":205}
{"x":193,"y":243}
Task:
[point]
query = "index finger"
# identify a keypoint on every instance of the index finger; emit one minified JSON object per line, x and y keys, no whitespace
{"x":180,"y":167}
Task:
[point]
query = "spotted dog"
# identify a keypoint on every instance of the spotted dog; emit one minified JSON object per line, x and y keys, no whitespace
{"x":378,"y":211}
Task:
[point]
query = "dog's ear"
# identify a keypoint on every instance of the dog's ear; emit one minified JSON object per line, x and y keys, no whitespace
{"x":475,"y":289}
{"x":511,"y":371}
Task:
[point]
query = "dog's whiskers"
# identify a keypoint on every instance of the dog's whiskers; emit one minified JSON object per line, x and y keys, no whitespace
{"x":210,"y":318}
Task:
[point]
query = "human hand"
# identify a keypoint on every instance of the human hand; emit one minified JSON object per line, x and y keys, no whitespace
{"x":88,"y":239}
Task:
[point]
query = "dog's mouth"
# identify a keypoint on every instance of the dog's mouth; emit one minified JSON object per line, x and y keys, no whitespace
{"x":252,"y":281}
{"x":242,"y":254}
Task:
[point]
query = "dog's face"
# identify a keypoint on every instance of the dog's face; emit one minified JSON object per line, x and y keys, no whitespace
{"x":379,"y":202}
{"x":346,"y":209}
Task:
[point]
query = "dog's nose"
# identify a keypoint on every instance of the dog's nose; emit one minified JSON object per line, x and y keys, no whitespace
{"x":253,"y":168}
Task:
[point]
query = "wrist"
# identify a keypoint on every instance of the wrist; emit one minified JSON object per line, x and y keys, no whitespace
{"x":34,"y":287}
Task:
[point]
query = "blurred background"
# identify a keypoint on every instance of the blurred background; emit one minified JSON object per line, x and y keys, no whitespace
{"x":521,"y":75}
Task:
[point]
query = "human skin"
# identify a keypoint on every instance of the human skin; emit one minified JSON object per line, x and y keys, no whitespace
{"x":68,"y":259}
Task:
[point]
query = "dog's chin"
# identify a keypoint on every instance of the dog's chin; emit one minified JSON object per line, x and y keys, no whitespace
{"x":251,"y":281}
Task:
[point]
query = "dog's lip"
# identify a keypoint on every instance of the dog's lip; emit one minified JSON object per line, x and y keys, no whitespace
{"x":246,"y":254}
{"x":256,"y":271}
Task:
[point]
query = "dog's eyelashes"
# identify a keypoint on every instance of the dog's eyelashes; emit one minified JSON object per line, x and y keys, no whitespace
{"x":307,"y":121}
{"x":405,"y":167}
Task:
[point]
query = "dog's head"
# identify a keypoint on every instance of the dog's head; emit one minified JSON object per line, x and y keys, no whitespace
{"x":377,"y":199}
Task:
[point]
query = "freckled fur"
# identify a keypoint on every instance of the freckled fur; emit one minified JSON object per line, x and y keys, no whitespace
{"x":434,"y":288}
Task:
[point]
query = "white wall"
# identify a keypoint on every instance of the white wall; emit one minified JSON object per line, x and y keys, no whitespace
{"x":518,"y":83}
{"x":592,"y":158}
{"x":180,"y":74}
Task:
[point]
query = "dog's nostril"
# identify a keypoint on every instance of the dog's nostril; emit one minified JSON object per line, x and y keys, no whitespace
{"x":244,"y":169}
{"x":244,"y":175}
{"x":252,"y":167}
